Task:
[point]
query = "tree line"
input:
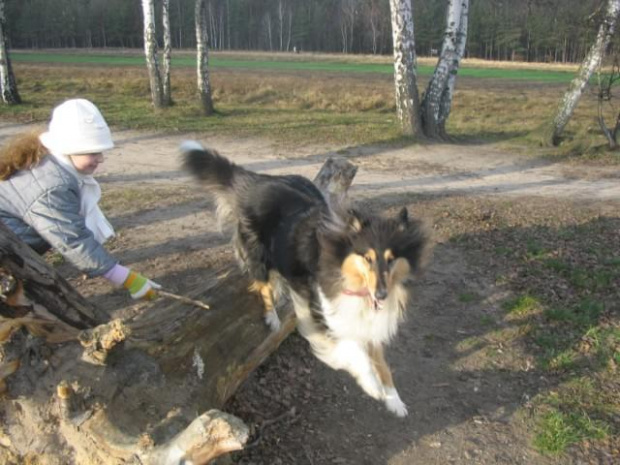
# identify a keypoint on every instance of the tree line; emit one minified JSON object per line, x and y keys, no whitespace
{"x":524,"y":30}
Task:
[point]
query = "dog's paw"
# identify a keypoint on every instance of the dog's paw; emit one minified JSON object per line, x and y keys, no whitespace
{"x":394,"y":403}
{"x":272,"y":320}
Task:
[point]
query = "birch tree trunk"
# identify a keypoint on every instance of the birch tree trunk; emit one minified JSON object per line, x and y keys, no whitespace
{"x":202,"y":52}
{"x":591,"y":62}
{"x":165,"y":18}
{"x":405,"y":74}
{"x":437,"y":100}
{"x":150,"y":52}
{"x":448,"y":95}
{"x":8,"y":86}
{"x":281,"y":23}
{"x":289,"y":30}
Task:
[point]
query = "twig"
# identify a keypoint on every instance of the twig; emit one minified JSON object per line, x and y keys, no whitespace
{"x":259,"y":436}
{"x":187,"y":300}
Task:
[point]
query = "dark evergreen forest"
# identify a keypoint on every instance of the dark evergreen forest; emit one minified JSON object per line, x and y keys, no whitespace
{"x":524,"y":30}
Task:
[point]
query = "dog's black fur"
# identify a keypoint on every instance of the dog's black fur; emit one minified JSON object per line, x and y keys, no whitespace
{"x":334,"y":264}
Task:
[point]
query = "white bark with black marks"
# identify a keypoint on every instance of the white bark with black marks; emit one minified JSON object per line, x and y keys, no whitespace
{"x":589,"y":65}
{"x":8,"y":86}
{"x":202,"y":52}
{"x":167,"y":53}
{"x":150,"y":52}
{"x":405,"y":76}
{"x":437,"y":100}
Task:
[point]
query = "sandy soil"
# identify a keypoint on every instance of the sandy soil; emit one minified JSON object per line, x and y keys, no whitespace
{"x":459,"y":413}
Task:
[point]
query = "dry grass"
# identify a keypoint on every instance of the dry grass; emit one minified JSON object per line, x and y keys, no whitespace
{"x":302,"y":107}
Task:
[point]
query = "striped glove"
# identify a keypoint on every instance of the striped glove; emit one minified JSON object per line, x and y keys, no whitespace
{"x":138,"y":286}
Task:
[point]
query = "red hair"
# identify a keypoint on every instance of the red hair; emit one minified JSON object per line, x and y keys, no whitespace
{"x":22,"y":152}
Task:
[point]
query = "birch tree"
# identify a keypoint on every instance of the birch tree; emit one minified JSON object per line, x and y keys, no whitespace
{"x":589,"y":65}
{"x":150,"y":52}
{"x":202,"y":52}
{"x":8,"y":86}
{"x":405,"y":74}
{"x":437,"y":99}
{"x":281,"y":17}
{"x":167,"y":53}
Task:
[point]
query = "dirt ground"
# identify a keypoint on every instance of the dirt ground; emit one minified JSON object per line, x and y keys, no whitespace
{"x":461,"y":410}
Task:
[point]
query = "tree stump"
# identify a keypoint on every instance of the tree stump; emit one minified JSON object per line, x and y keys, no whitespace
{"x":130,"y":391}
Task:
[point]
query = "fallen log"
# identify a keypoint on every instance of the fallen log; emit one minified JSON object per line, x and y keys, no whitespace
{"x":111,"y":392}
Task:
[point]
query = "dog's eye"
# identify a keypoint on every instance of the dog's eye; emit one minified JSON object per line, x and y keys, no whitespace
{"x":390,"y":261}
{"x":368,"y":258}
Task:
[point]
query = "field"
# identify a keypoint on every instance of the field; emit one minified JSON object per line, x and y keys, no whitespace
{"x":301,"y":98}
{"x":510,"y":353}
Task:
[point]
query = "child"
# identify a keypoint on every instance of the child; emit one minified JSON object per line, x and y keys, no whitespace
{"x":49,"y":198}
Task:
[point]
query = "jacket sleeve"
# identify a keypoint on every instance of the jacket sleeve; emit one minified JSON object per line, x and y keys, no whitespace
{"x":55,"y":215}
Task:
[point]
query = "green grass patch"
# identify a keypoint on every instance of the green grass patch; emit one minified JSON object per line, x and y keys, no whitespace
{"x":283,"y":62}
{"x":535,"y":250}
{"x":605,"y":344}
{"x":579,"y":411}
{"x":468,"y":297}
{"x":557,"y":431}
{"x":521,"y":306}
{"x":583,"y":315}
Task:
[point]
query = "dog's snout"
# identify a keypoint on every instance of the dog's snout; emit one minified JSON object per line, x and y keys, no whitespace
{"x":381,"y":294}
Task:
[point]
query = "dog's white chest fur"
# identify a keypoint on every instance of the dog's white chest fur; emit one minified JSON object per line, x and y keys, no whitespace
{"x":353,"y":317}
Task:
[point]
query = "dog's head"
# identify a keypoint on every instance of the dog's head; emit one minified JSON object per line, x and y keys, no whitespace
{"x":372,"y":255}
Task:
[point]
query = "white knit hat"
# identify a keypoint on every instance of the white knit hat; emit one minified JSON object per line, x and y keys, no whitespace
{"x":77,"y":127}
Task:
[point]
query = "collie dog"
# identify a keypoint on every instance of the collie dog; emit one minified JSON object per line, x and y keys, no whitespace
{"x":344,"y":271}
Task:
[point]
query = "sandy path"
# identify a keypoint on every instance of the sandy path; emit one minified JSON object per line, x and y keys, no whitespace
{"x":142,"y":157}
{"x":459,"y":414}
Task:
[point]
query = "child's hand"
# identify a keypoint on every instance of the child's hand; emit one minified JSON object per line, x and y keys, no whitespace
{"x":140,"y":287}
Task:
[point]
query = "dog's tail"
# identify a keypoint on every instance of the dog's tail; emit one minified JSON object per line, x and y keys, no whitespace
{"x":208,"y":166}
{"x":221,"y":176}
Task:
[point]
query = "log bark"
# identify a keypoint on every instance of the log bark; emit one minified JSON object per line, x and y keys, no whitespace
{"x":136,"y":399}
{"x":42,"y":285}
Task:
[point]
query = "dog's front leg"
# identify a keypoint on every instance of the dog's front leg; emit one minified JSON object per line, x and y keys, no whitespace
{"x":266,"y":292}
{"x":351,"y":356}
{"x":392,"y":400}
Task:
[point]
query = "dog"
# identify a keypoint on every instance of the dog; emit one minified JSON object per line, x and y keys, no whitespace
{"x":345,"y":271}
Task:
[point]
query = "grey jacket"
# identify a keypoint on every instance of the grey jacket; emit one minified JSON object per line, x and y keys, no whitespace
{"x":42,"y":206}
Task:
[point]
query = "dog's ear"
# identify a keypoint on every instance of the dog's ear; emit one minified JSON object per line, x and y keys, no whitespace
{"x":403,"y":218}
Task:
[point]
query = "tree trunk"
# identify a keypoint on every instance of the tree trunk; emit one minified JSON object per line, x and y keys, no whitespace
{"x":437,"y":100}
{"x":8,"y":86}
{"x":591,"y":62}
{"x":281,"y":24}
{"x":202,"y":52}
{"x":165,"y":17}
{"x":163,"y":364}
{"x":150,"y":52}
{"x":405,"y":76}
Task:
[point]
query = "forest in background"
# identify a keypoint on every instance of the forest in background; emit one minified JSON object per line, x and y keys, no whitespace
{"x":520,"y":30}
